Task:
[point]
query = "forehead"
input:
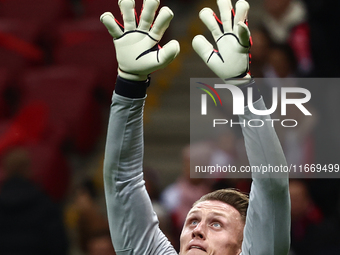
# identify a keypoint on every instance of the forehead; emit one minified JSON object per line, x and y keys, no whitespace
{"x":216,"y":207}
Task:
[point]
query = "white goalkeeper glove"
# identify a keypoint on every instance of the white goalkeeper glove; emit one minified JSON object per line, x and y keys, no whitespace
{"x":232,"y":36}
{"x":137,"y":50}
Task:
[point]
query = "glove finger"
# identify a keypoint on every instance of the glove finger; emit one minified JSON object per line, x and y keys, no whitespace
{"x":207,"y":16}
{"x":168,"y":52}
{"x":162,"y":22}
{"x":148,"y":14}
{"x":225,"y":8}
{"x":127,"y":7}
{"x":243,"y":34}
{"x":202,"y":47}
{"x":242,"y":8}
{"x":109,"y":21}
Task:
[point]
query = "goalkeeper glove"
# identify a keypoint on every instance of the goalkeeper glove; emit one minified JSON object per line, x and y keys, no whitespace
{"x":232,"y":36}
{"x":137,"y":50}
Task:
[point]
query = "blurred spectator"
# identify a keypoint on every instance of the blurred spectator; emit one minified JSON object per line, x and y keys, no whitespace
{"x":298,"y":143}
{"x":299,"y":41}
{"x":179,"y":197}
{"x":223,"y":149}
{"x":311,"y":233}
{"x":30,"y":223}
{"x":225,"y":152}
{"x":281,"y":16}
{"x":100,"y":244}
{"x":259,"y":52}
{"x":279,"y":66}
{"x":91,"y":220}
{"x":324,"y":22}
{"x":304,"y":215}
{"x":152,"y":184}
{"x":281,"y":62}
{"x":286,"y":23}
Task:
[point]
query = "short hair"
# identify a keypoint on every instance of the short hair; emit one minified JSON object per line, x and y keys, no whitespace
{"x":232,"y":197}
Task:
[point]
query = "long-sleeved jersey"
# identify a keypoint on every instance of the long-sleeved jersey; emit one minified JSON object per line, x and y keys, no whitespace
{"x":133,"y":223}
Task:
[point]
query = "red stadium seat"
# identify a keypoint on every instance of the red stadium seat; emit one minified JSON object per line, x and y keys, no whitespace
{"x":4,"y":125}
{"x":4,"y":84}
{"x":74,"y":114}
{"x":18,"y":48}
{"x":87,"y":43}
{"x":46,"y":14}
{"x":50,"y":170}
{"x":95,"y":8}
{"x":40,"y":11}
{"x":27,"y":127}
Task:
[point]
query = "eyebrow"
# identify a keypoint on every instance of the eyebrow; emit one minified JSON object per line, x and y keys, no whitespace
{"x":214,"y":213}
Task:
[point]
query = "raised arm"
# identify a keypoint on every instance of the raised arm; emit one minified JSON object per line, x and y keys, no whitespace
{"x":133,"y":224}
{"x":267,"y":229}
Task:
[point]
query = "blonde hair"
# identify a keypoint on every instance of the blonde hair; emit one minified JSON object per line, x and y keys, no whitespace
{"x":232,"y":197}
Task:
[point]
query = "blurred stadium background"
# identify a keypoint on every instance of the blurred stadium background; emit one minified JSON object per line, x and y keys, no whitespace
{"x":57,"y":74}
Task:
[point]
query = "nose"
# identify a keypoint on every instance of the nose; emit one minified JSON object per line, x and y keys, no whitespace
{"x":198,"y":231}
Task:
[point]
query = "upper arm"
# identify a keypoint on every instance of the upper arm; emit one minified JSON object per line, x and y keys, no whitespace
{"x":133,"y":223}
{"x":267,"y":229}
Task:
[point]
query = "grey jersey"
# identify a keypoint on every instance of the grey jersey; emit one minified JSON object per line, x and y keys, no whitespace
{"x":133,"y":223}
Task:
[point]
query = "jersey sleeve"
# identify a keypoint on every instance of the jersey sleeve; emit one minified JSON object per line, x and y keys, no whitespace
{"x":267,"y":229}
{"x":133,"y":223}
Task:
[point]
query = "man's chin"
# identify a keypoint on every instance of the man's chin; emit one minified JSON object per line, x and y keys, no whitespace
{"x":195,"y":251}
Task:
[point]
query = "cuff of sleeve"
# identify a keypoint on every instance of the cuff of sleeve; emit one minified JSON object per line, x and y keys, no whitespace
{"x":256,"y":92}
{"x":131,"y":89}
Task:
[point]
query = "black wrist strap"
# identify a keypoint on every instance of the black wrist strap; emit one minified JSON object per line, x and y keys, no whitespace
{"x":256,"y":91}
{"x":131,"y":89}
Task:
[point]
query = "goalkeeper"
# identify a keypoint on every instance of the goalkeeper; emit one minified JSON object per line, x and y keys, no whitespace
{"x":224,"y":222}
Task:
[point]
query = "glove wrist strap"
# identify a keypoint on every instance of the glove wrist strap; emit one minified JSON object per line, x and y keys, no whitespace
{"x":131,"y":89}
{"x":239,"y":81}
